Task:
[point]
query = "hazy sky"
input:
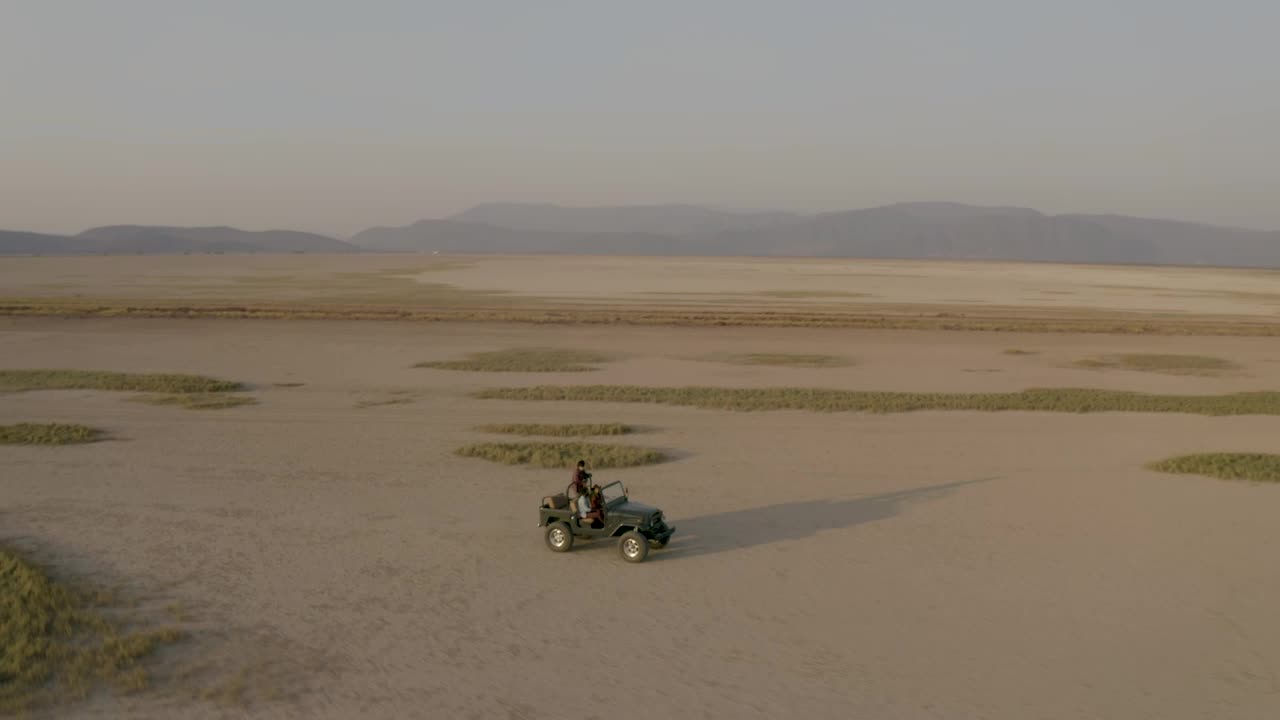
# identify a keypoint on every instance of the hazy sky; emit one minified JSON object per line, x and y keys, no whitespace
{"x":334,"y":116}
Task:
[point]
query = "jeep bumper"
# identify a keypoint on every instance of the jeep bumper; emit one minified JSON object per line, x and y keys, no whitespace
{"x":662,"y":535}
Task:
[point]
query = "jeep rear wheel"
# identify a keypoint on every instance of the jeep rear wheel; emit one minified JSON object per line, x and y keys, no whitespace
{"x":559,"y":537}
{"x":633,"y":546}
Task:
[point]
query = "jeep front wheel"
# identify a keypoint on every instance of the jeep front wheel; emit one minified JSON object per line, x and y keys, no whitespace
{"x":633,"y":546}
{"x":559,"y":537}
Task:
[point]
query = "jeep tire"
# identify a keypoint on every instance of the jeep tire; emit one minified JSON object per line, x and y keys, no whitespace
{"x":559,"y":537}
{"x":633,"y":547}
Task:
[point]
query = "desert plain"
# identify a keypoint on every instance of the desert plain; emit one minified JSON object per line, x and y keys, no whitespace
{"x":327,"y":554}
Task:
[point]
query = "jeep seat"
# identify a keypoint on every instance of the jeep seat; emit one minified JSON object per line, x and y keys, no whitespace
{"x":555,"y":502}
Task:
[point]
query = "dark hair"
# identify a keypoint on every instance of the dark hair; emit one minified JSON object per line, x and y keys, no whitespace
{"x":582,"y":463}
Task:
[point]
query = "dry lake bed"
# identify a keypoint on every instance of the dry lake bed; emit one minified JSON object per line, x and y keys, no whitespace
{"x":870,"y":523}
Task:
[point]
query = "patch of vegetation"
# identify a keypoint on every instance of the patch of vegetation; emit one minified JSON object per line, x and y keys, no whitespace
{"x":56,"y":645}
{"x":1019,"y":351}
{"x":48,"y":434}
{"x":797,"y":294}
{"x":378,"y":403}
{"x":103,"y":380}
{"x":523,"y":360}
{"x":444,"y":305}
{"x":198,"y":401}
{"x":178,"y":612}
{"x":1151,"y":362}
{"x":288,"y":384}
{"x":558,"y":430}
{"x":1257,"y":467}
{"x":1071,"y":400}
{"x":563,"y":454}
{"x":785,"y":360}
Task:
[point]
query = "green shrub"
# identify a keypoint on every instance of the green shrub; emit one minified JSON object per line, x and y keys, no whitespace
{"x":198,"y":401}
{"x":1072,"y":400}
{"x":47,"y":434}
{"x":523,"y":360}
{"x":102,"y":380}
{"x":1227,"y":466}
{"x":558,"y":430}
{"x":54,"y":646}
{"x":563,"y":454}
{"x":1169,"y":364}
{"x":785,"y":360}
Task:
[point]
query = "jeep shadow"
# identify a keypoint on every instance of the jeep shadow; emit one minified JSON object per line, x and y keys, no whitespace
{"x":738,"y":529}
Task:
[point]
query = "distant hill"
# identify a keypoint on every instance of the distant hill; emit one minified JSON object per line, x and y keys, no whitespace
{"x":452,"y":236}
{"x":159,"y":240}
{"x":671,"y":220}
{"x":13,"y":242}
{"x":940,"y":231}
{"x":962,"y":232}
{"x":943,"y":231}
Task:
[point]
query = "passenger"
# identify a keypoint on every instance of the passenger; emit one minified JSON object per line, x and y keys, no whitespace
{"x":594,"y":502}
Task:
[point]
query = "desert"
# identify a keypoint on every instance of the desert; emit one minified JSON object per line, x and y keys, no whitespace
{"x":321,"y":549}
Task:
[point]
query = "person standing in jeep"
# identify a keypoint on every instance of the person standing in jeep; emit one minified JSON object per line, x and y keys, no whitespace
{"x":581,"y":482}
{"x":581,"y":478}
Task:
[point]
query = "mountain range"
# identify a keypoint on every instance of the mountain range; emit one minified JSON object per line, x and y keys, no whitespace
{"x":160,"y":240}
{"x":941,"y":231}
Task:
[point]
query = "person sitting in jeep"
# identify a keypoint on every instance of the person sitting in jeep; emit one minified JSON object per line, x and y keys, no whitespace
{"x":591,"y":507}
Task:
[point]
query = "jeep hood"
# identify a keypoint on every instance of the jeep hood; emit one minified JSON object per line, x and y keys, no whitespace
{"x":634,"y":508}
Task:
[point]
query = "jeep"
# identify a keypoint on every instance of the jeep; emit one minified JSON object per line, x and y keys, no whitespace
{"x":637,"y":526}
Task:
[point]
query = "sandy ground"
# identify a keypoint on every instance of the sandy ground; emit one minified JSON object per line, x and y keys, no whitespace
{"x":878,"y":282}
{"x":696,"y":283}
{"x":926,"y":565}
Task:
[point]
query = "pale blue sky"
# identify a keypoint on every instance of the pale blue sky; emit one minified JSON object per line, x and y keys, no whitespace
{"x":336,"y":116}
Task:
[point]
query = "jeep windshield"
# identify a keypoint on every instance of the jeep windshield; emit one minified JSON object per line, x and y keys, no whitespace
{"x":613,"y":493}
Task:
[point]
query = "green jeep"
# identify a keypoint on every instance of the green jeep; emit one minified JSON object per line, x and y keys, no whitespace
{"x":635,"y":525}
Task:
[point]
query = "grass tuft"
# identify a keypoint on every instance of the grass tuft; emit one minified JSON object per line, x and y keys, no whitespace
{"x":197,"y":401}
{"x":1072,"y":400}
{"x":563,"y":454}
{"x":48,"y":434}
{"x":1159,"y":363}
{"x":1257,"y":467}
{"x":1019,"y":351}
{"x":784,"y":360}
{"x":102,"y":380}
{"x":558,"y":430}
{"x":54,"y":647}
{"x":523,"y":360}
